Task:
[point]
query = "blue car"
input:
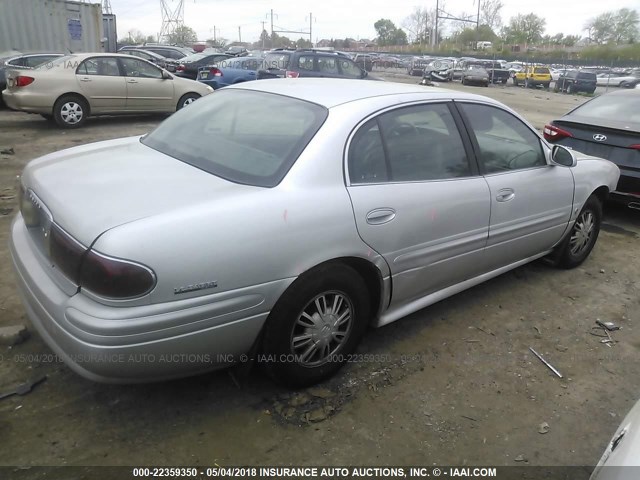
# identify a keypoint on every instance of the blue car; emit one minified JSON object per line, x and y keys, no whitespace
{"x":230,"y":71}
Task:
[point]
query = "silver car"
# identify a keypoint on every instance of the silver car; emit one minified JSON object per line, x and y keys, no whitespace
{"x":274,"y":221}
{"x":71,"y":88}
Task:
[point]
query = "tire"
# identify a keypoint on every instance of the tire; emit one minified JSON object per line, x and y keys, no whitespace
{"x":47,"y":116}
{"x":504,"y":81}
{"x":187,"y":99}
{"x":625,"y":85}
{"x":515,"y":81}
{"x":546,"y":85}
{"x":556,"y":88}
{"x":70,"y":111}
{"x":526,"y":83}
{"x":577,"y":246}
{"x":297,"y":314}
{"x":571,"y":88}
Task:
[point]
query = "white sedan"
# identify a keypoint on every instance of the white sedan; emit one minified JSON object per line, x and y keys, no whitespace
{"x":74,"y":87}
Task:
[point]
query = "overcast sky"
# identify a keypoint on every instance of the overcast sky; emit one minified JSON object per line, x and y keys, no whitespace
{"x":338,"y":18}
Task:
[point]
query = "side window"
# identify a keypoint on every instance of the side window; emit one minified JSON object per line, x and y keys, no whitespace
{"x":422,"y":143}
{"x":38,"y":60}
{"x":328,"y":65}
{"x":139,"y":68}
{"x":305,"y":62}
{"x":367,"y":163}
{"x":350,"y":69}
{"x":99,"y":66}
{"x":505,"y":142}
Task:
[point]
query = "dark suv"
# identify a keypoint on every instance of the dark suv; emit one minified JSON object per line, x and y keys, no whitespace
{"x":574,"y":81}
{"x":281,"y":63}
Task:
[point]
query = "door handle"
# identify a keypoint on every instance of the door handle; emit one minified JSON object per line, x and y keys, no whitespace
{"x":380,"y":216}
{"x":505,"y":195}
{"x":131,"y":80}
{"x":85,"y":79}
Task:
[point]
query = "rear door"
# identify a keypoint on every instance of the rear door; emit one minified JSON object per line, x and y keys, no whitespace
{"x":418,"y":199}
{"x":147,"y":90}
{"x":101,"y":82}
{"x":531,"y":201}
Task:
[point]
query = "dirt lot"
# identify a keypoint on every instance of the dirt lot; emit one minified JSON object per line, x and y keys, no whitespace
{"x":454,"y":383}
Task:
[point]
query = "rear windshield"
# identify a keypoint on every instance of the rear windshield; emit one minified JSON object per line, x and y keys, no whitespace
{"x":586,"y":76}
{"x":195,"y":57}
{"x":276,"y":60}
{"x":243,"y":136}
{"x":612,"y":107}
{"x":540,"y":70}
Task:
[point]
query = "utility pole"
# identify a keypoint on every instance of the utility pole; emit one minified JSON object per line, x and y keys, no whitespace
{"x":239,"y":35}
{"x":272,"y":24}
{"x":310,"y":28}
{"x":478,"y":25}
{"x":214,"y":34}
{"x":261,"y":34}
{"x":435,"y":40}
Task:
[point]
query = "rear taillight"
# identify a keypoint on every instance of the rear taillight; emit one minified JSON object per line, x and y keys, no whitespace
{"x":113,"y":277}
{"x":216,"y":72}
{"x":635,"y":146}
{"x":553,"y":133}
{"x":23,"y":81}
{"x":65,"y":253}
{"x":180,"y":68}
{"x":290,"y":74}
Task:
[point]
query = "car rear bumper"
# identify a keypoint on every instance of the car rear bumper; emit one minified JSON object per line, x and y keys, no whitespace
{"x":26,"y":101}
{"x":142,"y":343}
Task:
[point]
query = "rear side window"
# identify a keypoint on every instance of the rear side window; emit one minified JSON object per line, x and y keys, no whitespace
{"x":420,"y":143}
{"x":276,"y":61}
{"x":243,"y":136}
{"x":587,"y":76}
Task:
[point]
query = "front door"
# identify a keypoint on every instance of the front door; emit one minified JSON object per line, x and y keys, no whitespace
{"x":531,"y":200}
{"x":147,"y":91}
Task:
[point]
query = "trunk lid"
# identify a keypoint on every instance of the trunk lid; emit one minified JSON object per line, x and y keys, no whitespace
{"x":96,"y":187}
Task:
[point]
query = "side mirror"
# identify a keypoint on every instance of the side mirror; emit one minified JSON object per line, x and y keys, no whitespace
{"x":166,"y":75}
{"x":563,"y":156}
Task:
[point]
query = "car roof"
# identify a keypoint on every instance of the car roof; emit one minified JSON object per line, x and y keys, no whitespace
{"x":330,"y":92}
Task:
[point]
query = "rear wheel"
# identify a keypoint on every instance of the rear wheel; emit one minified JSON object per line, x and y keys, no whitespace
{"x":515,"y":81}
{"x":70,"y":111}
{"x":578,"y":245}
{"x":571,"y":88}
{"x":186,"y":100}
{"x":315,"y":325}
{"x":526,"y":83}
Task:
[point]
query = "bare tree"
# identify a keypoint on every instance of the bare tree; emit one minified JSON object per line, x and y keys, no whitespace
{"x":420,"y":24}
{"x":490,"y":13}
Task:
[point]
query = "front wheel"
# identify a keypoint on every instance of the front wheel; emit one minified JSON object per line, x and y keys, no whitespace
{"x":578,"y":245}
{"x":515,"y":81}
{"x":186,"y":100}
{"x":315,"y":325}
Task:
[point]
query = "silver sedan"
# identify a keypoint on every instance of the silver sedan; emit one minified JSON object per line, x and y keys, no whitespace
{"x":275,"y":221}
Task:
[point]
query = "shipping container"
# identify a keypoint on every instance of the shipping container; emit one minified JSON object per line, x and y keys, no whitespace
{"x":50,"y":26}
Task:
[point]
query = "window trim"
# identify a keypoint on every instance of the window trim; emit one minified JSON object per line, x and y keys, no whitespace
{"x":544,"y":146}
{"x":448,"y":102}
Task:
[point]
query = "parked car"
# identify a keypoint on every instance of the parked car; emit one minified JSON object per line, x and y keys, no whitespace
{"x":532,"y":77}
{"x":295,"y":231}
{"x":622,"y":80}
{"x":168,"y":51}
{"x":230,"y":71}
{"x":475,"y":74}
{"x":364,"y":61}
{"x":417,"y":64}
{"x":439,"y":71}
{"x":150,"y":56}
{"x":574,"y":81}
{"x":237,"y":51}
{"x":607,"y":126}
{"x":622,"y":452}
{"x":190,"y":65}
{"x":77,"y":86}
{"x":23,"y":62}
{"x":309,"y":63}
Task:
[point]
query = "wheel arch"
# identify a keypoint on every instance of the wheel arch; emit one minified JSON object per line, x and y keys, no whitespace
{"x":73,"y":94}
{"x":602,"y":192}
